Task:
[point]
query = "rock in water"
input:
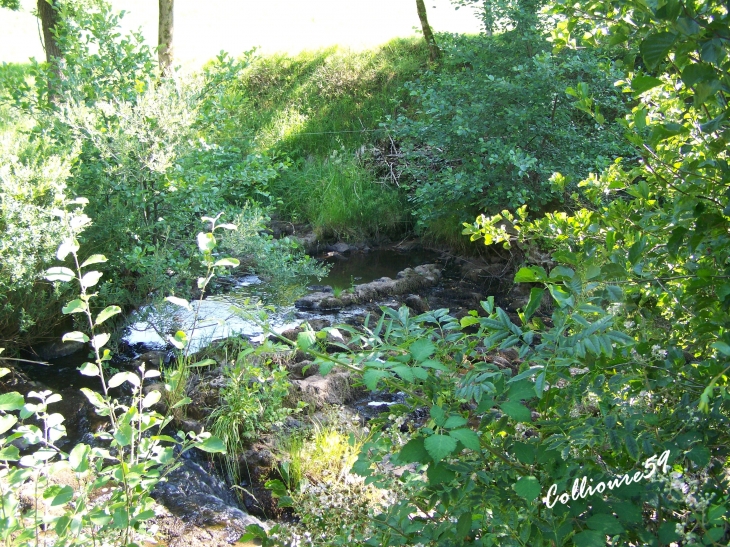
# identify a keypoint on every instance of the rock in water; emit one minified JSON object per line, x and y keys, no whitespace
{"x":199,"y":498}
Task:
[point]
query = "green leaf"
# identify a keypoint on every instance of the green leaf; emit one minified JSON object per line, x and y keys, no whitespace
{"x":516,"y":411}
{"x":306,"y":339}
{"x":179,"y":302}
{"x":75,"y":306}
{"x":123,"y":435}
{"x":436,"y":365}
{"x":463,"y":525}
{"x":11,"y":401}
{"x":151,"y":399}
{"x":106,"y":313}
{"x":655,"y":47}
{"x":589,"y":538}
{"x":203,"y":363}
{"x":93,"y":259}
{"x":227,"y":262}
{"x":8,"y":453}
{"x":530,"y":275}
{"x":606,"y":524}
{"x":79,"y":458}
{"x":722,"y":347}
{"x":421,"y":349}
{"x":536,"y":294}
{"x":468,"y":438}
{"x":120,"y":377}
{"x":528,"y":488}
{"x":180,"y":339}
{"x":7,"y":421}
{"x":90,"y":279}
{"x":94,"y":398}
{"x":413,"y":452}
{"x":62,"y":496}
{"x":642,"y":83}
{"x":439,"y":446}
{"x":69,"y":245}
{"x":100,"y":340}
{"x":75,"y":336}
{"x":59,"y":273}
{"x":372,"y":377}
{"x":454,"y":421}
{"x":405,"y":372}
{"x":212,"y":445}
{"x":439,"y":474}
{"x":438,"y":414}
{"x":697,"y":72}
{"x":561,"y":296}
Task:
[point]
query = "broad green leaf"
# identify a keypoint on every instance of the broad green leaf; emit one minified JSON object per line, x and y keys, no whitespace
{"x":93,"y":259}
{"x":642,"y":83}
{"x":655,"y":47}
{"x":106,"y":313}
{"x":180,"y":340}
{"x":306,"y":339}
{"x":62,"y":496}
{"x":151,"y":399}
{"x":123,"y":435}
{"x":439,"y":446}
{"x":75,"y":336}
{"x":463,"y":525}
{"x":722,"y":347}
{"x":536,"y":294}
{"x":227,"y":262}
{"x":454,"y":421}
{"x":467,"y":437}
{"x":405,"y":372}
{"x":11,"y":401}
{"x":69,"y":245}
{"x":606,"y":524}
{"x":561,"y":296}
{"x":372,"y":376}
{"x":212,"y":445}
{"x":94,"y":398}
{"x":179,"y":302}
{"x":413,"y":452}
{"x":75,"y":306}
{"x":59,"y":273}
{"x":7,"y":421}
{"x":120,"y":377}
{"x":697,"y":72}
{"x":90,"y":279}
{"x":203,"y":363}
{"x":422,"y":349}
{"x":100,"y":340}
{"x":516,"y":411}
{"x":589,"y":538}
{"x":530,"y":275}
{"x":528,"y":488}
{"x":79,"y":458}
{"x":8,"y":453}
{"x":436,"y":365}
{"x":438,"y":414}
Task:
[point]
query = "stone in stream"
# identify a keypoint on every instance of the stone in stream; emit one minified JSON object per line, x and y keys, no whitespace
{"x":407,"y":281}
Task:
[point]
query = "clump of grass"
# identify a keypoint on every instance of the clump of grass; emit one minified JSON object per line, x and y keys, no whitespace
{"x":339,"y":197}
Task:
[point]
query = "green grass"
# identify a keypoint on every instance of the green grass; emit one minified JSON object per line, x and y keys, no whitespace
{"x":321,"y":109}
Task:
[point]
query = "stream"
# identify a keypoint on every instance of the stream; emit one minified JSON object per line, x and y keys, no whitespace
{"x":194,"y":493}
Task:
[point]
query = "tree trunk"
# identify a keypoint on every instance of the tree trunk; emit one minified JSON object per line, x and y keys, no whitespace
{"x":434,"y":52}
{"x":49,"y":18}
{"x":164,"y":36}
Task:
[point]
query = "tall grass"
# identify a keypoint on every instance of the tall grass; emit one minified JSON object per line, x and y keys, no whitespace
{"x":321,"y":109}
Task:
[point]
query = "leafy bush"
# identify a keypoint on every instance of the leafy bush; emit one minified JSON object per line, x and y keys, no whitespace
{"x":33,"y":186}
{"x":133,"y":456}
{"x":492,"y":126}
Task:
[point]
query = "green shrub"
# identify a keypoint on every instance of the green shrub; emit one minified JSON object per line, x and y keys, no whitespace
{"x":33,"y":186}
{"x":492,"y":126}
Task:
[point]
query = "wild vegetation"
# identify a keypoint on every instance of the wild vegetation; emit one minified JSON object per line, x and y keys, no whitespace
{"x":593,"y":133}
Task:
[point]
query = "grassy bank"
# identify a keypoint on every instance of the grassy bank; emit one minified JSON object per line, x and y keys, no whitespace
{"x":322,"y":110}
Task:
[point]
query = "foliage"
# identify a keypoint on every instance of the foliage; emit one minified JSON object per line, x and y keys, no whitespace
{"x":251,"y":402}
{"x":332,"y":504}
{"x":133,"y":456}
{"x":33,"y":186}
{"x":492,"y":126}
{"x":279,"y":261}
{"x":340,"y":196}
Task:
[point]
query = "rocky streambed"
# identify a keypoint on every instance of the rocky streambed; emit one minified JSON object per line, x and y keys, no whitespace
{"x":196,"y":506}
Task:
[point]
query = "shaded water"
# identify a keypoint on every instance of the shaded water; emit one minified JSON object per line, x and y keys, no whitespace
{"x":360,"y":267}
